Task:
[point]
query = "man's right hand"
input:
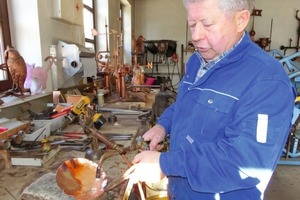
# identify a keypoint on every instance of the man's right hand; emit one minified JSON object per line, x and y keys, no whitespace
{"x":155,"y":135}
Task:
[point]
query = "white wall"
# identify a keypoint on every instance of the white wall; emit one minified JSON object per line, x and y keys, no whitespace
{"x":25,"y":33}
{"x":159,"y":20}
{"x":166,"y":19}
{"x":284,"y":22}
{"x":33,"y":31}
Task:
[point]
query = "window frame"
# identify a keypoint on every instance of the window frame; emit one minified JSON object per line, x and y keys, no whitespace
{"x":92,"y":10}
{"x":5,"y":31}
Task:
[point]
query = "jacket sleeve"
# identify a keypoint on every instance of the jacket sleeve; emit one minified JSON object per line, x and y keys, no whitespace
{"x":165,"y":119}
{"x":248,"y":153}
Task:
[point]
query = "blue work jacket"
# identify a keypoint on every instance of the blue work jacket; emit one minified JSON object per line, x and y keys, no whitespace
{"x":228,"y":129}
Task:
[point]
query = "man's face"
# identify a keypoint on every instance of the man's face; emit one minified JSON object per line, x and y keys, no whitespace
{"x":212,"y":32}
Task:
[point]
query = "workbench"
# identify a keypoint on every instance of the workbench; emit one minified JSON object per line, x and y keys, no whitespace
{"x":15,"y":179}
{"x":28,"y":182}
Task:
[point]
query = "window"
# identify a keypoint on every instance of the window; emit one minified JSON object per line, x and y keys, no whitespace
{"x":5,"y":80}
{"x":89,"y":23}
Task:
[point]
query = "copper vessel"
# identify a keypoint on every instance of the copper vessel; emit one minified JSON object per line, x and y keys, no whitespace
{"x":80,"y":178}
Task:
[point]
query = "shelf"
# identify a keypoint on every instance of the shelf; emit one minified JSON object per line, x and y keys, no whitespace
{"x":13,"y":100}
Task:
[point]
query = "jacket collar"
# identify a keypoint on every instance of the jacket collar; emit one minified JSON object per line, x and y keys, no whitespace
{"x":240,"y":50}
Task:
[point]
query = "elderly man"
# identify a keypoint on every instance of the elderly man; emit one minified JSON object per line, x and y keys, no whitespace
{"x":232,"y":114}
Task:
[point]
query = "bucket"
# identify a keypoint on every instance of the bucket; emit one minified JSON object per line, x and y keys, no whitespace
{"x":150,"y":80}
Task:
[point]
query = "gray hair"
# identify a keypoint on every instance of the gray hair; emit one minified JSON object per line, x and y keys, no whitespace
{"x":229,"y":6}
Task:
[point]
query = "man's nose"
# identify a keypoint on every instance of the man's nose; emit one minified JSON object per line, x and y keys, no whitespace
{"x":198,"y":33}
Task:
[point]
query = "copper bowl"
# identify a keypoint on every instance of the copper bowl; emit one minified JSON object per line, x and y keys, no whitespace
{"x":77,"y":178}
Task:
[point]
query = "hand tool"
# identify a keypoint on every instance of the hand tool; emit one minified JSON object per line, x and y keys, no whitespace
{"x":76,"y":110}
{"x":29,"y":147}
{"x":118,"y":136}
{"x":80,"y":109}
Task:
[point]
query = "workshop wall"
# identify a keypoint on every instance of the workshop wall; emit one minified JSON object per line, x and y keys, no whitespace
{"x":284,"y":22}
{"x":157,"y":19}
{"x":110,"y":17}
{"x":33,"y":31}
{"x":162,"y":20}
{"x":25,"y":29}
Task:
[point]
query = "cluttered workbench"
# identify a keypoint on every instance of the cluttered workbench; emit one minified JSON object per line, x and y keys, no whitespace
{"x":32,"y":167}
{"x":18,"y":181}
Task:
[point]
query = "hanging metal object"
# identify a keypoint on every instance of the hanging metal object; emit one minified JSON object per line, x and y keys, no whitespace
{"x":297,"y":46}
{"x":254,"y":13}
{"x":80,"y":178}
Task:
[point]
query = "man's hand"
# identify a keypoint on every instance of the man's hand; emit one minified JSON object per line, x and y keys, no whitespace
{"x":155,"y":135}
{"x":147,"y":167}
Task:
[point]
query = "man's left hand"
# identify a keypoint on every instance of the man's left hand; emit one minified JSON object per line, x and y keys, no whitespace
{"x":147,"y":167}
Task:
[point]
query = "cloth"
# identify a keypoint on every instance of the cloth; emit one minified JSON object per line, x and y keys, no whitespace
{"x":227,"y":130}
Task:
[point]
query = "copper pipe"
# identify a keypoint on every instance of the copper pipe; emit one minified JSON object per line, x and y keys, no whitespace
{"x":117,"y":149}
{"x":107,"y":79}
{"x":122,"y":74}
{"x":107,"y":154}
{"x":105,"y":140}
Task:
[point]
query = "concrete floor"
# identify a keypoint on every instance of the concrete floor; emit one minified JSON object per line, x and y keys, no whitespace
{"x":285,"y":184}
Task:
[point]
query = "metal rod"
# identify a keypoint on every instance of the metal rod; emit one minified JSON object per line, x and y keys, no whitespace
{"x":271,"y":30}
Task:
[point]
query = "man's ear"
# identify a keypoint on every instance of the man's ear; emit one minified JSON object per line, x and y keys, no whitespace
{"x":242,"y":19}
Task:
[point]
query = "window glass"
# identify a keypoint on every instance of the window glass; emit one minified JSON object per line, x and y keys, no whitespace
{"x":88,"y":24}
{"x":89,"y":3}
{"x":88,"y":17}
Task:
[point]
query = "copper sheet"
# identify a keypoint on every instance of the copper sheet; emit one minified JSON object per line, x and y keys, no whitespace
{"x":77,"y":178}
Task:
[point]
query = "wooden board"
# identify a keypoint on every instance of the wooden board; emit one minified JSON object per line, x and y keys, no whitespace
{"x":14,"y":127}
